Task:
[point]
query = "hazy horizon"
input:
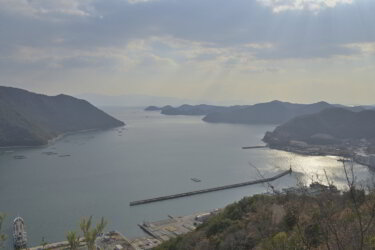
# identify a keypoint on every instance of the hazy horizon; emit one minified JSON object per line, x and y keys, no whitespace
{"x":134,"y":100}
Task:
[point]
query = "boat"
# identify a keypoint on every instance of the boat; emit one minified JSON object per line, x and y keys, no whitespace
{"x":195,"y":179}
{"x":19,"y":157}
{"x":64,"y":155}
{"x":19,"y":233}
{"x":50,"y":153}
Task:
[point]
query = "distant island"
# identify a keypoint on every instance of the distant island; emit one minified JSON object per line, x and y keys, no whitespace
{"x":275,"y":112}
{"x":153,"y":108}
{"x":193,"y":110}
{"x":30,"y":119}
{"x":335,"y":131}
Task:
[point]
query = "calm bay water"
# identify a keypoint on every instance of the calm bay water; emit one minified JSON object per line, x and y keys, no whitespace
{"x":155,"y":155}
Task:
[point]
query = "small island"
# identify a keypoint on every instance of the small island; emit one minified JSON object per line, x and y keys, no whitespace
{"x":153,"y":108}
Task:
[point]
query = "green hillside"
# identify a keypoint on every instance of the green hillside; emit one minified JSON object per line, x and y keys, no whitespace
{"x":29,"y":119}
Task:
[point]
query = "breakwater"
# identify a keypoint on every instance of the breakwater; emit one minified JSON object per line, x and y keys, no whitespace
{"x":254,"y":147}
{"x":242,"y":184}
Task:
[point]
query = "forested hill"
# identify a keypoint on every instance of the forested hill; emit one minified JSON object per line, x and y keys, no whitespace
{"x":331,"y":125}
{"x":323,"y":219}
{"x":30,"y":119}
{"x":275,"y":112}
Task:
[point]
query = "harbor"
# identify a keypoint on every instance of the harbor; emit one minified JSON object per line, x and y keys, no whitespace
{"x":208,"y":190}
{"x":171,"y":227}
{"x":113,"y":240}
{"x":157,"y":233}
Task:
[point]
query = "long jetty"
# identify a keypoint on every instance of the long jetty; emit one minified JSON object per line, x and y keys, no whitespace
{"x":208,"y":190}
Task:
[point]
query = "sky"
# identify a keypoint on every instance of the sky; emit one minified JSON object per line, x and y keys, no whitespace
{"x":240,"y":51}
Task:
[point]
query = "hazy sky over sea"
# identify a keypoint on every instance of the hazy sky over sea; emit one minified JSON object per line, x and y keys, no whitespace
{"x":214,"y":50}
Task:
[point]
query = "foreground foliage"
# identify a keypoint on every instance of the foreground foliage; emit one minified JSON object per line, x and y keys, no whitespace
{"x":90,"y":233}
{"x":73,"y":240}
{"x":329,"y":220}
{"x":2,"y":236}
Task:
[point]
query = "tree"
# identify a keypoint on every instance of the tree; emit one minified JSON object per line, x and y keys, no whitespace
{"x":44,"y":243}
{"x":2,"y":236}
{"x":89,"y":233}
{"x":73,"y":240}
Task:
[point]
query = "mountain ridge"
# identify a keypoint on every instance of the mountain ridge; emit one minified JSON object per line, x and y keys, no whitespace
{"x":274,"y":112}
{"x":32,"y":119}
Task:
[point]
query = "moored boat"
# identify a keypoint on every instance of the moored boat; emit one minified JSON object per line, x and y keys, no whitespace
{"x":19,"y":233}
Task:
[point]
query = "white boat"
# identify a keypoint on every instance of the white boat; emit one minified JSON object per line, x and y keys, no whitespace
{"x":195,"y":179}
{"x":19,"y":233}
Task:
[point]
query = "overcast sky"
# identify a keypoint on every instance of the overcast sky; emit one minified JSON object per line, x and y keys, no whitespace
{"x":215,"y":50}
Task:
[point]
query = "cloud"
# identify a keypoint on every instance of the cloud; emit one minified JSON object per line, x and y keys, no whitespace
{"x":48,"y":9}
{"x":95,"y":23}
{"x":306,"y":51}
{"x":163,"y":42}
{"x":193,"y":28}
{"x":310,"y":5}
{"x":158,"y":53}
{"x":367,"y":49}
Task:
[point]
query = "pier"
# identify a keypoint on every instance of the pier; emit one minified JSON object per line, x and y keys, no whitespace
{"x":202,"y":191}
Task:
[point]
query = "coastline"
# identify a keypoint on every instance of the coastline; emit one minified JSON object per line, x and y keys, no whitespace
{"x":363,"y":160}
{"x":59,"y":137}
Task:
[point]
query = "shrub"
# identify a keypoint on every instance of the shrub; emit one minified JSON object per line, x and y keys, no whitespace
{"x":290,"y":219}
{"x":218,"y":226}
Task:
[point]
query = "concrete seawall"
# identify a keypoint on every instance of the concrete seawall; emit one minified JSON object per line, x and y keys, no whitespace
{"x":242,"y":184}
